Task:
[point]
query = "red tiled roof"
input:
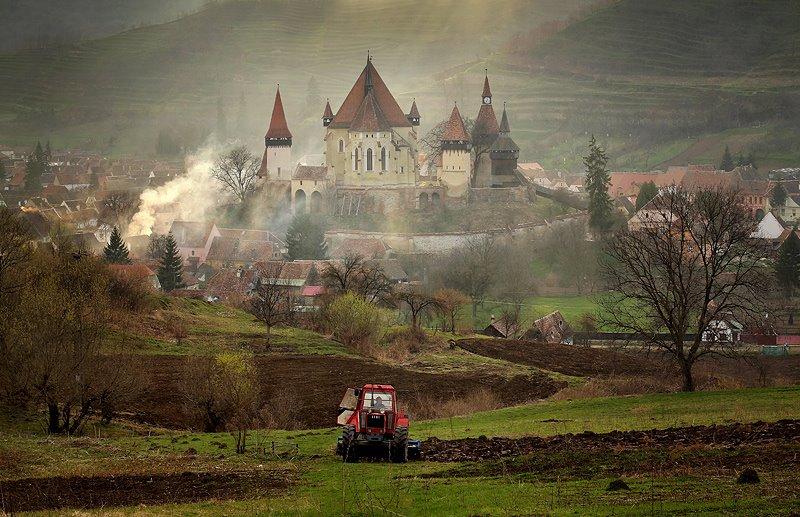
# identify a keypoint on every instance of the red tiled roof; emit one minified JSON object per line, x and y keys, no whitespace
{"x":369,"y":116}
{"x":486,"y":127}
{"x":487,"y":92}
{"x":369,"y":248}
{"x":278,"y":128}
{"x":328,"y":112}
{"x":312,"y":290}
{"x":454,"y":129}
{"x":383,"y":97}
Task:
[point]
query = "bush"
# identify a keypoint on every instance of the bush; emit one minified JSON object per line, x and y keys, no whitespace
{"x":356,"y":322}
{"x":616,"y":386}
{"x":426,"y":406}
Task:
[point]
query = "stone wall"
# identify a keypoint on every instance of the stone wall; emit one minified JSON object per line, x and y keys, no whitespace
{"x":435,"y":243}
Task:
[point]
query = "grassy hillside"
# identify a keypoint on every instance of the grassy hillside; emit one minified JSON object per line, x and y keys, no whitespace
{"x":128,"y":86}
{"x":659,"y":83}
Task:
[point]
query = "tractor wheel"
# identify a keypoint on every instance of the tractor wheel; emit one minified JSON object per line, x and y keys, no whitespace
{"x":399,"y":449}
{"x":349,"y":447}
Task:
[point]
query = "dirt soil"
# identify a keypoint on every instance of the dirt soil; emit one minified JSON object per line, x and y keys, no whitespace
{"x":308,"y":389}
{"x":36,"y":494}
{"x":566,"y":359}
{"x":730,"y":435}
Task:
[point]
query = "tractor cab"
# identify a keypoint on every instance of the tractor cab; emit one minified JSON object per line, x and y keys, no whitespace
{"x":373,"y":423}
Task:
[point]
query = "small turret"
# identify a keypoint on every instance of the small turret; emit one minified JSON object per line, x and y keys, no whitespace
{"x":413,"y":115}
{"x":327,"y":116}
{"x":278,"y":134}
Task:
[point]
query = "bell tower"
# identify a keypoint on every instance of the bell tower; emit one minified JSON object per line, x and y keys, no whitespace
{"x":277,"y":161}
{"x":456,"y":158}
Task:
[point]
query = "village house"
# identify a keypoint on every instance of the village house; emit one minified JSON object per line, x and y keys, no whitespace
{"x":552,"y":328}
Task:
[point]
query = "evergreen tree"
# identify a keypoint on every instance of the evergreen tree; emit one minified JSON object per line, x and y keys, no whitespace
{"x":727,"y":160}
{"x":787,"y":267}
{"x":778,"y":195}
{"x":305,"y":239}
{"x":116,"y":252}
{"x":647,"y":191}
{"x":597,"y":182}
{"x":169,"y":271}
{"x":35,"y":165}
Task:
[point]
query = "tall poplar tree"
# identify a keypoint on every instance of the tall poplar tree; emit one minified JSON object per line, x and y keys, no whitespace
{"x":598,"y":180}
{"x":116,"y":252}
{"x":787,"y":267}
{"x":169,"y":271}
{"x":727,"y":160}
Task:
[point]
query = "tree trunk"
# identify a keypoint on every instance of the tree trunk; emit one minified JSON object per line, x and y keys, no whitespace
{"x":686,"y":373}
{"x":53,"y":416}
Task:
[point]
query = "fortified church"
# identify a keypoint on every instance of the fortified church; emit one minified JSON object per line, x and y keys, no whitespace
{"x":372,"y":156}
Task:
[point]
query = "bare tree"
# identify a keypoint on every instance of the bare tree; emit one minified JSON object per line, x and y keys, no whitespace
{"x":417,"y":302}
{"x":272,"y":301}
{"x":357,"y":275}
{"x":450,"y":302}
{"x":693,"y":263}
{"x":472,"y":269}
{"x":237,"y":171}
{"x":120,"y":206}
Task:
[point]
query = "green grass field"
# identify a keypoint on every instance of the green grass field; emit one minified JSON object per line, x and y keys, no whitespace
{"x":572,"y":307}
{"x":325,"y":486}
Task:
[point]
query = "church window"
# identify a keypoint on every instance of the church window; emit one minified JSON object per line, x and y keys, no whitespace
{"x":383,"y":158}
{"x":356,"y":158}
{"x":341,"y":145}
{"x":369,"y":159}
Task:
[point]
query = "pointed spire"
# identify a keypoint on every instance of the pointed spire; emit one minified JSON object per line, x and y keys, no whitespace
{"x":278,"y":128}
{"x":454,"y":129}
{"x":487,"y":92}
{"x":504,"y":127}
{"x":414,"y":113}
{"x":328,"y":111}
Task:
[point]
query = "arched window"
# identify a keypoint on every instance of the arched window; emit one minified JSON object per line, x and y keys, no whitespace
{"x":383,"y":158}
{"x":369,"y":159}
{"x":356,"y":158}
{"x":341,"y":145}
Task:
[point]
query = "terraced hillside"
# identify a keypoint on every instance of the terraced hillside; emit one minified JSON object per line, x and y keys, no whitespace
{"x":662,"y":82}
{"x":128,"y":85}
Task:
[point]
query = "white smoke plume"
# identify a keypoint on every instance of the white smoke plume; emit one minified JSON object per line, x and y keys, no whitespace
{"x":186,"y":197}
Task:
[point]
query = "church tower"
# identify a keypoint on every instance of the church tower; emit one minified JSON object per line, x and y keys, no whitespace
{"x":456,"y":157}
{"x":504,"y":154}
{"x":484,"y":133}
{"x":277,"y":161}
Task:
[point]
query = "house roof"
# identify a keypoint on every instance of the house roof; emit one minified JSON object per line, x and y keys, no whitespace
{"x":369,"y":248}
{"x":454,"y":129}
{"x":310,"y":172}
{"x":312,"y":290}
{"x":235,"y":249}
{"x":231,"y":281}
{"x":37,"y":223}
{"x":278,"y":128}
{"x":370,"y":80}
{"x":392,"y":269}
{"x":191,"y":234}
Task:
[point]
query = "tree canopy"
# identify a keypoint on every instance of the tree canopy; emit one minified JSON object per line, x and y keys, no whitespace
{"x":305,"y":239}
{"x":116,"y":251}
{"x":171,"y":267}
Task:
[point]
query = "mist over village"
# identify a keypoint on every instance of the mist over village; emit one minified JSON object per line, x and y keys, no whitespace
{"x":325,"y":257}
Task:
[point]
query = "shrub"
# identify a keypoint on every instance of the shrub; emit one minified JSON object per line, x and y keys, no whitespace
{"x":356,"y":322}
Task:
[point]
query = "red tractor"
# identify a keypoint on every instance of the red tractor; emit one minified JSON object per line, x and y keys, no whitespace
{"x":373,"y":425}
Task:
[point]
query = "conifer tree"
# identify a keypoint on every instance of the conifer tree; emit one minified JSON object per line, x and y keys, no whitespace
{"x":727,"y":160}
{"x":647,"y":191}
{"x":305,"y":239}
{"x":35,"y":165}
{"x":597,"y":183}
{"x":116,"y":252}
{"x":787,"y":267}
{"x":778,"y":195}
{"x":169,"y":271}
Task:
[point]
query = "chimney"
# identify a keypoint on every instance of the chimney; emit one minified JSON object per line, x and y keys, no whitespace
{"x":492,"y":318}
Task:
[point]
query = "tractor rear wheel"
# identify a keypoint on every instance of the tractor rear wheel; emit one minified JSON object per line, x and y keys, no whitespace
{"x":399,"y":450}
{"x":349,"y":447}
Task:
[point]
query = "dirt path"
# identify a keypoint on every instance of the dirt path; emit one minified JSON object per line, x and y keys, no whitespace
{"x":731,"y":435}
{"x":52,"y":493}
